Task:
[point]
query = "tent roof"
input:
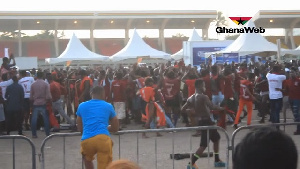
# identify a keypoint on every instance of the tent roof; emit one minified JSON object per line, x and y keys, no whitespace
{"x":136,"y":47}
{"x":76,"y":51}
{"x":194,"y":37}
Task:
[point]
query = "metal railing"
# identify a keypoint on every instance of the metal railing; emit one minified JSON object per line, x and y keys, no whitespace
{"x":257,"y":126}
{"x":14,"y":137}
{"x":173,"y":130}
{"x":64,"y":135}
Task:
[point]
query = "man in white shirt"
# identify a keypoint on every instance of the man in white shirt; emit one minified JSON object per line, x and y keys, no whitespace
{"x":275,"y":80}
{"x":26,"y":83}
{"x":4,"y":84}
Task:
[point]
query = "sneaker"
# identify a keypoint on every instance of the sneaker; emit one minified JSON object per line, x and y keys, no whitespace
{"x":220,"y":164}
{"x":262,"y":121}
{"x":189,"y":166}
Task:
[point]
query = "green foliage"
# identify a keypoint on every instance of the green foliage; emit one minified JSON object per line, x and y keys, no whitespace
{"x":221,"y":20}
{"x":178,"y":35}
{"x":11,"y":34}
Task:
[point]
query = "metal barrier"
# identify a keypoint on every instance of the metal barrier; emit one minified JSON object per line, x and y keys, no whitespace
{"x":14,"y":137}
{"x":257,"y":126}
{"x":64,"y":135}
{"x":175,"y":130}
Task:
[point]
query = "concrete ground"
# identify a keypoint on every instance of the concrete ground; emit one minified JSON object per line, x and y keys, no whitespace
{"x":147,"y":154}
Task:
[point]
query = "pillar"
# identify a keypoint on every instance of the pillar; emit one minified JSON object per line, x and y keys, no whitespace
{"x":56,"y":43}
{"x":19,"y":38}
{"x":92,"y":40}
{"x":293,"y":46}
{"x":205,"y":34}
{"x":162,"y":42}
{"x":126,"y":36}
{"x":56,"y":46}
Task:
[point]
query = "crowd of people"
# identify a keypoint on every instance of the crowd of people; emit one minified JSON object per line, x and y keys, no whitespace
{"x":153,"y":96}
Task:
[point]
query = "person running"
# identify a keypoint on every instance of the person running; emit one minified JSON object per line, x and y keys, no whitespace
{"x":263,"y":87}
{"x":93,"y":119}
{"x":171,"y":89}
{"x":246,"y":98}
{"x":202,"y":105}
{"x":55,"y":90}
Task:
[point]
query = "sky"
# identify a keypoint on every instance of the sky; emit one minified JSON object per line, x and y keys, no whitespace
{"x":228,"y":7}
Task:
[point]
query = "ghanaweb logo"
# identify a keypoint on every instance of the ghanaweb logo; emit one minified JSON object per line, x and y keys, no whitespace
{"x":240,"y":21}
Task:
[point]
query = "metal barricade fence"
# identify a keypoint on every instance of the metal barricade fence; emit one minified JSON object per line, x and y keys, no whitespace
{"x":64,"y":135}
{"x":257,"y":126}
{"x":175,"y":130}
{"x":14,"y":137}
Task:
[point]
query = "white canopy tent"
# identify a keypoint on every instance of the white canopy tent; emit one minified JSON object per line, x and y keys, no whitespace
{"x":251,"y":44}
{"x":194,"y":37}
{"x":137,"y":48}
{"x":76,"y":51}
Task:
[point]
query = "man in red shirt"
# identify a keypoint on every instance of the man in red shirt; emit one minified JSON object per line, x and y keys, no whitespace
{"x":293,"y":85}
{"x":118,"y":95}
{"x":229,"y":98}
{"x":171,"y":89}
{"x":246,"y":98}
{"x":55,"y":90}
{"x":206,"y":78}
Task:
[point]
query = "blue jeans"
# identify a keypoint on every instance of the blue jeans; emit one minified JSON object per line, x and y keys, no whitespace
{"x":216,"y":100}
{"x":276,"y":105}
{"x":35,"y":113}
{"x":295,"y":104}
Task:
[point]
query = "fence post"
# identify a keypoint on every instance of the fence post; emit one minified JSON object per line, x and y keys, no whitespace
{"x":13,"y":137}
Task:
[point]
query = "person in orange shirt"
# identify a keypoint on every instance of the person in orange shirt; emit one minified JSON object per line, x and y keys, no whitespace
{"x":246,"y":98}
{"x":154,"y":112}
{"x":85,"y":87}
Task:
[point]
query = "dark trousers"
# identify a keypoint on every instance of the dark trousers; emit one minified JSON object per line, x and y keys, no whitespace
{"x":276,"y":105}
{"x":295,"y":104}
{"x":26,"y":110}
{"x":14,"y":119}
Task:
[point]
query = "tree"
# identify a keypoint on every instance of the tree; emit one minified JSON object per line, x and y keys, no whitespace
{"x":220,"y":21}
{"x":45,"y":34}
{"x":178,"y":35}
{"x":11,"y":34}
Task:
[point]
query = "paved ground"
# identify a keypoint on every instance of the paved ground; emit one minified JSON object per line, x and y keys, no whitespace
{"x":54,"y":149}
